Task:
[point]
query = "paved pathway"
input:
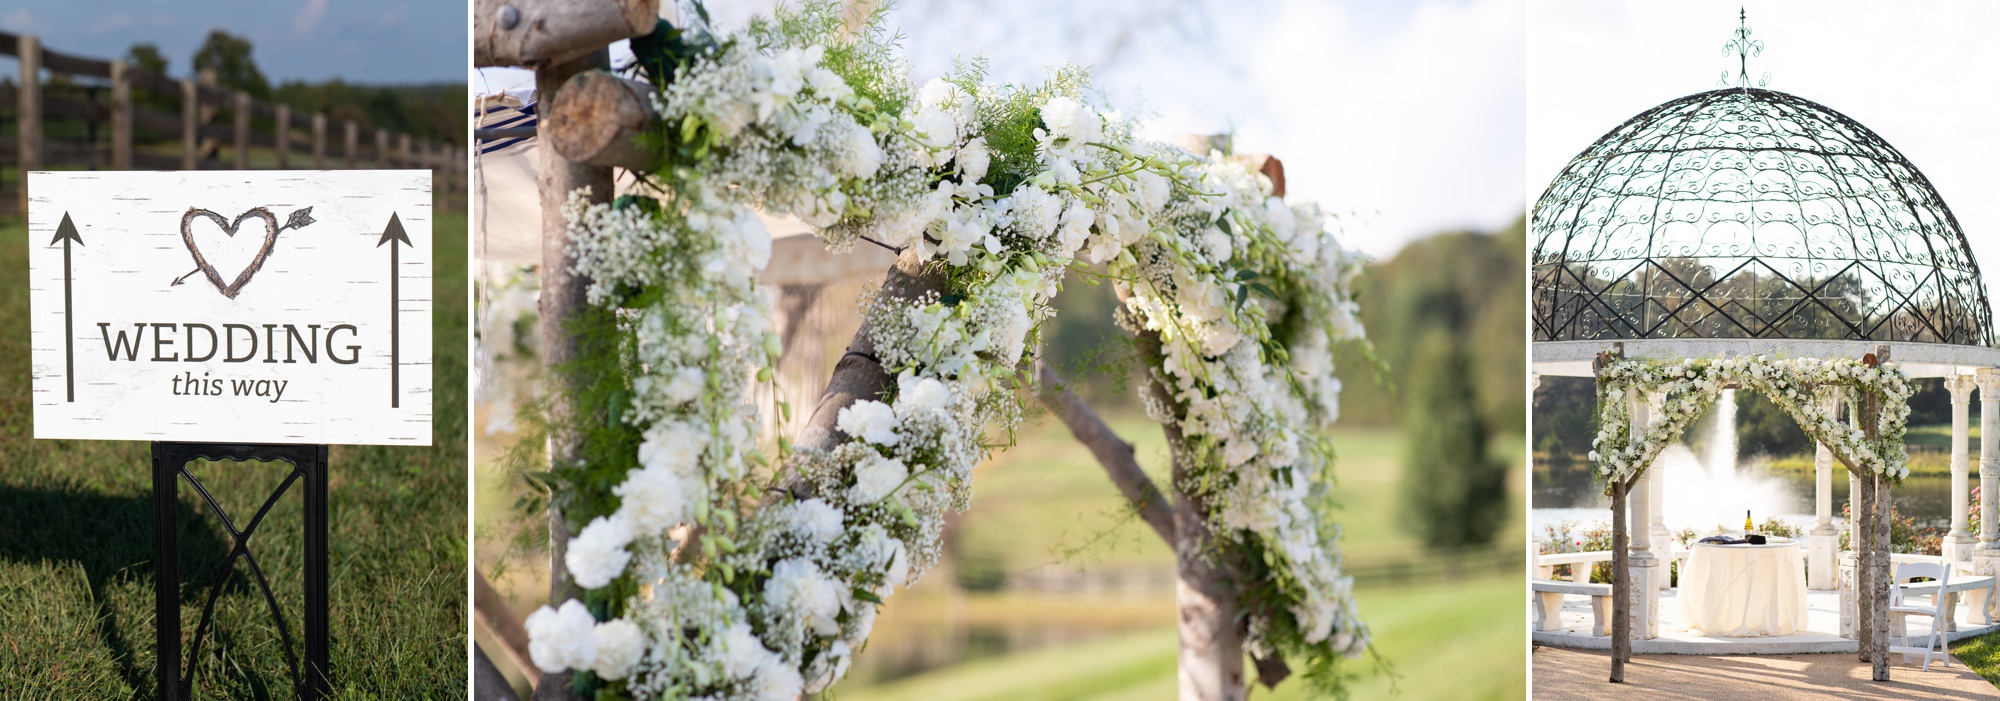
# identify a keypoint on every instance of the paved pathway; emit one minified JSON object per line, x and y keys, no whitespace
{"x":1580,"y":674}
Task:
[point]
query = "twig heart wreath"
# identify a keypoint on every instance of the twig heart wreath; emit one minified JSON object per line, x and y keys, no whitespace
{"x":785,"y":554}
{"x":1794,"y":384}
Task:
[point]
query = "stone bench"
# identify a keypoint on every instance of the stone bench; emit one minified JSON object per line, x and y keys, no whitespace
{"x":1548,"y":603}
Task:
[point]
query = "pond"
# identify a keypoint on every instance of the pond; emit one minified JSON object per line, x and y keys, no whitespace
{"x":1566,"y":491}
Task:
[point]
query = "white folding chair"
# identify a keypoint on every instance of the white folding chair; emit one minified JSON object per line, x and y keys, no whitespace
{"x":1901,"y":608}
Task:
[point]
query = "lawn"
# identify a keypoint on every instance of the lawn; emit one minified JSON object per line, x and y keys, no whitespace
{"x":1045,"y":505}
{"x":1475,"y":624}
{"x":1982,"y":654}
{"x":76,"y":544}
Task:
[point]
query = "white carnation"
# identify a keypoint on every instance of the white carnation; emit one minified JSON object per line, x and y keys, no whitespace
{"x":973,"y":159}
{"x":1035,"y":212}
{"x":870,"y":421}
{"x":915,"y":394}
{"x":598,"y":554}
{"x":743,"y":653}
{"x":813,"y":519}
{"x":1072,"y":120}
{"x":619,"y":644}
{"x":859,"y":156}
{"x":560,"y":639}
{"x":798,"y":586}
{"x":655,"y":499}
{"x":876,"y":477}
{"x":675,"y":446}
{"x":685,"y":385}
{"x":778,"y":682}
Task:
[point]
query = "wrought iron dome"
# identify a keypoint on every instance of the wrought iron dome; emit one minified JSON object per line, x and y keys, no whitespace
{"x":1750,"y":213}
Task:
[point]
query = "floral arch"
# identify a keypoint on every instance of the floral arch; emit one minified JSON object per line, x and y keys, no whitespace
{"x":717,"y":563}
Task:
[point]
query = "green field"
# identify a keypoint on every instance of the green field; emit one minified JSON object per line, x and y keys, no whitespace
{"x":76,"y":544}
{"x":1046,"y":504}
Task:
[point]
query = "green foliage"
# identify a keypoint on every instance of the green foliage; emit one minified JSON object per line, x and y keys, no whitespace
{"x":147,"y":57}
{"x":228,"y":56}
{"x":863,"y":52}
{"x":1905,"y":536}
{"x":1454,"y":492}
{"x":1469,"y":285}
{"x":1009,"y":119}
{"x":428,"y":112}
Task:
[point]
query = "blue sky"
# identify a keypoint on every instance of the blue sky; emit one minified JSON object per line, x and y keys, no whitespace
{"x":361,"y":41}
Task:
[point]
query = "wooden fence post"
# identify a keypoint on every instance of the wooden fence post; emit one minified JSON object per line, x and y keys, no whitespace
{"x":30,"y":117}
{"x":319,"y":141}
{"x":190,"y":123}
{"x":353,"y":143}
{"x":382,"y":149}
{"x":242,"y":148}
{"x":284,"y":136}
{"x":408,"y":157}
{"x":121,"y":115}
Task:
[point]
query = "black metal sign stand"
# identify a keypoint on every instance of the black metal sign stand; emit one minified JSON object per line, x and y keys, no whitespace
{"x":169,"y":468}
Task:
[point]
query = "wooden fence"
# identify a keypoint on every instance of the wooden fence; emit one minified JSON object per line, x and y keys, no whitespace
{"x":70,"y":112}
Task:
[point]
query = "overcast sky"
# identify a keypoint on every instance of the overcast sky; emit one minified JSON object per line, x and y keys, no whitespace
{"x":361,"y":41}
{"x":1924,"y":75}
{"x":1408,"y":114}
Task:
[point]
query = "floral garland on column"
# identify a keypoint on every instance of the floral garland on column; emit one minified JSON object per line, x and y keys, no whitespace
{"x":719,"y":566}
{"x":1794,"y":384}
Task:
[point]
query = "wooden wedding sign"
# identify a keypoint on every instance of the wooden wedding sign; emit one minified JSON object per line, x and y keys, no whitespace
{"x":247,"y":307}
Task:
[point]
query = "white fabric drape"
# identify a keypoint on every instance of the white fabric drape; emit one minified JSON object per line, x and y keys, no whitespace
{"x":1742,"y":591}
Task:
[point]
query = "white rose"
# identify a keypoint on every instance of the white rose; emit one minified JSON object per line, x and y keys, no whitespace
{"x":1068,"y":119}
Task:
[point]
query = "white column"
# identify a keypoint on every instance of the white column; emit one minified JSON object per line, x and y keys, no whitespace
{"x":1823,"y":541}
{"x":1987,"y":555}
{"x":1643,"y":568}
{"x":1849,"y":605}
{"x":1661,"y":540}
{"x":1958,"y":543}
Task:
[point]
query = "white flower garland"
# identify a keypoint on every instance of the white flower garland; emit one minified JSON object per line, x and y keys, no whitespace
{"x":1794,"y":384}
{"x":787,"y":588}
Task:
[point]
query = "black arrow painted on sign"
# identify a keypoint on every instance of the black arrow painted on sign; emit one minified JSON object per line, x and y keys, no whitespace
{"x":66,"y":232}
{"x":392,"y":234}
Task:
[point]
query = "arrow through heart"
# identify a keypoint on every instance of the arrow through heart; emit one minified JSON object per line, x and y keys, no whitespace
{"x":298,"y":219}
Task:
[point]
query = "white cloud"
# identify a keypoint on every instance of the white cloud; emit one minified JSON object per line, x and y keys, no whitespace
{"x":308,"y":17}
{"x":21,"y":22}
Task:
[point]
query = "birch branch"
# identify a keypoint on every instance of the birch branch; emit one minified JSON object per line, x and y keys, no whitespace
{"x":540,"y":32}
{"x":1117,"y":456}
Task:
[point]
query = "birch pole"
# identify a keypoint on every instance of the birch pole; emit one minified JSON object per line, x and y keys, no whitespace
{"x":1878,"y":641}
{"x":562,"y":300}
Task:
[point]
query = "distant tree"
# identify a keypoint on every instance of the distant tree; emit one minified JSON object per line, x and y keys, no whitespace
{"x":1454,"y":493}
{"x":147,"y":57}
{"x":228,"y":56}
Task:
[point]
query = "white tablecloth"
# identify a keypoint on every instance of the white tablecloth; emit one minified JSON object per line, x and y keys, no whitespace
{"x":1744,"y":591}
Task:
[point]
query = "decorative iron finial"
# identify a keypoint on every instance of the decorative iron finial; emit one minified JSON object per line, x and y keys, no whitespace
{"x":1745,"y":47}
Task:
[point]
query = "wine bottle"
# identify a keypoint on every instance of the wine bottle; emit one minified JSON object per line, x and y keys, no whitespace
{"x":1746,"y":522}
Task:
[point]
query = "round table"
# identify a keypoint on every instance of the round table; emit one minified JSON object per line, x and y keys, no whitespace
{"x":1744,"y":591}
